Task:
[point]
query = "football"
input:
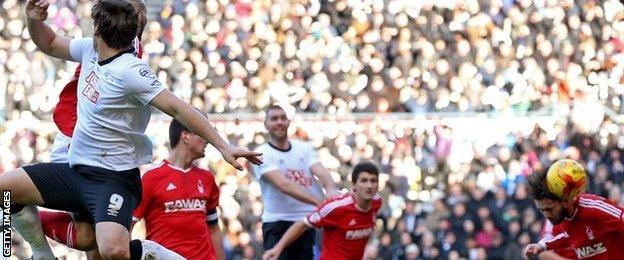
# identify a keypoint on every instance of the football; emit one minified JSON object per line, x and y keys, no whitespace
{"x":566,"y":179}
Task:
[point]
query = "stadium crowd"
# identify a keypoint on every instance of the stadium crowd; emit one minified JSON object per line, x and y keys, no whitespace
{"x":452,"y":189}
{"x":448,"y":192}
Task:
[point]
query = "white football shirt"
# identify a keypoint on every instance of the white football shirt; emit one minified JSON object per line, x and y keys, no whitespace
{"x":114,"y":98}
{"x":295,"y":164}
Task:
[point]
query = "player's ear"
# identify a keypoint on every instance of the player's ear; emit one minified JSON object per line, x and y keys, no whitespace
{"x":186,"y":136}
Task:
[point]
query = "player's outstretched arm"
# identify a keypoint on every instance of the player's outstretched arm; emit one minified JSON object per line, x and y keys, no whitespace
{"x":42,"y":35}
{"x":289,"y":237}
{"x":533,"y":250}
{"x":171,"y":105}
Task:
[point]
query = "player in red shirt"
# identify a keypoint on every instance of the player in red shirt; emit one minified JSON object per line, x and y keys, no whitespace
{"x":179,"y":200}
{"x":591,"y":226}
{"x":347,"y":221}
{"x":556,"y":254}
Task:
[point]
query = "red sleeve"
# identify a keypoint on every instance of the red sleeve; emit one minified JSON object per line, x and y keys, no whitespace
{"x":139,"y":212}
{"x":213,"y":200}
{"x":377,"y":203}
{"x":326,"y":215}
{"x":558,"y":242}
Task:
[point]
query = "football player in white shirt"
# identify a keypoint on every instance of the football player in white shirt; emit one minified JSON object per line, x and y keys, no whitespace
{"x":115,"y":90}
{"x":26,"y":221}
{"x":289,"y":190}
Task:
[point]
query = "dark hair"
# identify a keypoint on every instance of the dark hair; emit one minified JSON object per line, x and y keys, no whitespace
{"x":175,"y":131}
{"x":537,"y":187}
{"x":271,"y":107}
{"x":363,"y":167}
{"x":140,"y":6}
{"x":116,"y":22}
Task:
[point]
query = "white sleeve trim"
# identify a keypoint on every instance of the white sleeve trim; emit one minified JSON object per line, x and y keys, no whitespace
{"x":307,"y":222}
{"x":212,"y":217}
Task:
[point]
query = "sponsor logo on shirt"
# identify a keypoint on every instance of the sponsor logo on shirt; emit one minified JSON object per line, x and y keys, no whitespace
{"x":90,"y":92}
{"x":185,"y":205}
{"x":589,"y":251}
{"x":299,"y":177}
{"x":171,"y":186}
{"x":358,"y":233}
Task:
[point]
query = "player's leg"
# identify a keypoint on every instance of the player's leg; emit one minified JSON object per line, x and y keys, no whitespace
{"x":113,"y":240}
{"x":28,"y":225}
{"x":25,"y":220}
{"x":55,"y":186}
{"x":112,"y":201}
{"x":65,"y":228}
{"x":155,"y":251}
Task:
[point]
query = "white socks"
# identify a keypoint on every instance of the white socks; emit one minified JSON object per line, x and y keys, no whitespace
{"x":154,"y":251}
{"x":28,"y":224}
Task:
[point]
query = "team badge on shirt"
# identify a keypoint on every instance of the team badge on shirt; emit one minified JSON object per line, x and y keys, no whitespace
{"x":200,"y":186}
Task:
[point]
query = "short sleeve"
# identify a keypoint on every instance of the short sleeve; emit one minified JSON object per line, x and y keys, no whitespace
{"x":311,"y":154}
{"x":266,"y":166}
{"x":377,"y":203}
{"x":141,"y":83}
{"x":78,"y":47}
{"x":214,"y":193}
{"x":212,"y":217}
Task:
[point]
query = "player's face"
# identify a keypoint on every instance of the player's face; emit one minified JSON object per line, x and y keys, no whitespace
{"x":366,"y":186}
{"x":197,"y":145}
{"x":277,"y":123}
{"x":552,"y":210}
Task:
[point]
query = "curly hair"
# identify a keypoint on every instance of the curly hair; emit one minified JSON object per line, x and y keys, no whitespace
{"x":116,"y":22}
{"x":537,"y":187}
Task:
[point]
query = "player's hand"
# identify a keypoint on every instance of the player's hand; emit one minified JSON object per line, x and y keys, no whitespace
{"x":231,"y":152}
{"x":533,"y":250}
{"x":37,"y":10}
{"x":271,"y":254}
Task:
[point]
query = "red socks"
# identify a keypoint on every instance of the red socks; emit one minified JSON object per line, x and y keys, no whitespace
{"x":59,"y":226}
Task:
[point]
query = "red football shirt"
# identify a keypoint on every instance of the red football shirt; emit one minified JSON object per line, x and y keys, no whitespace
{"x":65,"y":112}
{"x":548,"y":233}
{"x":346,"y":227}
{"x":176,"y":205}
{"x":595,"y":231}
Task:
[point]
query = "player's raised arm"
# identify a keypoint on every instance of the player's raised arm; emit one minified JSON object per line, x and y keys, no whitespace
{"x":324,"y":177}
{"x":42,"y":35}
{"x":197,"y":123}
